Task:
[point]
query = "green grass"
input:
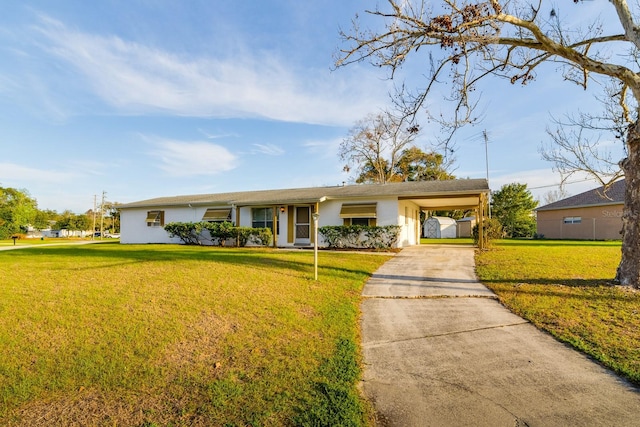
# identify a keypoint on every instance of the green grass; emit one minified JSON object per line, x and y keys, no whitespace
{"x":55,"y":241}
{"x":565,"y":288}
{"x":45,"y":241}
{"x":139,"y":335}
{"x":457,"y":241}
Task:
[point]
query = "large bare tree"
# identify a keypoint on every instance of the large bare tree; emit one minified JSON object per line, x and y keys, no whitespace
{"x":468,"y":41}
{"x":374,"y":146}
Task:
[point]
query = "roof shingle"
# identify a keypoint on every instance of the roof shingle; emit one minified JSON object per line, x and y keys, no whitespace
{"x":315,"y":194}
{"x":595,"y":197}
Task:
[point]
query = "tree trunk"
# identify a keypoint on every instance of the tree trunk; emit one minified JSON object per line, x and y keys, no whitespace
{"x":628,"y":273}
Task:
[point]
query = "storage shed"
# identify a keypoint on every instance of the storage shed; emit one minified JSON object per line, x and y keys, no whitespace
{"x":465,"y":226}
{"x":439,"y":227}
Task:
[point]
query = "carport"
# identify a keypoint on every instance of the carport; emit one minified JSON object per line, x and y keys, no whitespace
{"x":470,"y":194}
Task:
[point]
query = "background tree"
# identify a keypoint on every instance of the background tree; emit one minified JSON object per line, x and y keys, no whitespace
{"x":513,"y":206}
{"x":468,"y":41}
{"x":72,"y":222}
{"x":554,"y":196}
{"x":416,"y":165}
{"x":45,"y":219}
{"x":17,"y":211}
{"x":374,"y":147}
{"x":113,"y":214}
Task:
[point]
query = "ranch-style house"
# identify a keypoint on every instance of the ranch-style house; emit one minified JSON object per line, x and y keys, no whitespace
{"x":289,"y":212}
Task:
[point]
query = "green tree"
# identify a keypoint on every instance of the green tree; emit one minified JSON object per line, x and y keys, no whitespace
{"x":113,"y":213}
{"x":416,"y":165}
{"x":513,"y":206}
{"x":72,"y":222}
{"x":45,"y":218}
{"x":469,"y":41}
{"x":17,"y":211}
{"x":374,"y":147}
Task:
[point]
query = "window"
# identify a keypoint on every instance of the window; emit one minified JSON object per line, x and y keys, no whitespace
{"x":362,"y":221}
{"x":572,"y":219}
{"x":155,"y":219}
{"x":262,"y":217}
{"x":359,"y":214}
{"x":217,"y":215}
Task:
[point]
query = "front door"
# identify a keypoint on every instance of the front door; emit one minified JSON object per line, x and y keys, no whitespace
{"x":303,"y":225}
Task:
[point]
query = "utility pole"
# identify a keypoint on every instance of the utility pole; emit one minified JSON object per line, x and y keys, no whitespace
{"x":486,"y":158}
{"x":93,"y":230}
{"x":102,"y":215}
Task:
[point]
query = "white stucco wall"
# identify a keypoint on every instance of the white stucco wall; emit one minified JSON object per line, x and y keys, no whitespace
{"x":386,"y":211}
{"x":408,"y":217}
{"x":134,"y":228}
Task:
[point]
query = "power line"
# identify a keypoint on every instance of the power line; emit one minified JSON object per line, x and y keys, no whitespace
{"x":557,"y":185}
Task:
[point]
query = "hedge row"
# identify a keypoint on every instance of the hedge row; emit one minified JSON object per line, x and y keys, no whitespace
{"x":360,"y":236}
{"x":218,"y":233}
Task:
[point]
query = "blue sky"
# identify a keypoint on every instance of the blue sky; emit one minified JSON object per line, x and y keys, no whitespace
{"x":157,"y":98}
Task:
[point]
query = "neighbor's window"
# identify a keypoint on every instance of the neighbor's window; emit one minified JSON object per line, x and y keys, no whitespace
{"x":262,"y":217}
{"x":572,"y":219}
{"x":155,"y":219}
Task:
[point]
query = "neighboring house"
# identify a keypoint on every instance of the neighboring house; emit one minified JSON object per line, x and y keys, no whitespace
{"x":592,"y":215}
{"x":65,"y":233}
{"x":465,"y":226}
{"x":439,"y":227}
{"x":289,"y":212}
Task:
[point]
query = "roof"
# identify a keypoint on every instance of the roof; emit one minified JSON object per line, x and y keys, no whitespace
{"x":443,"y":220}
{"x":596,"y":197}
{"x":404,"y":190}
{"x":467,"y":219}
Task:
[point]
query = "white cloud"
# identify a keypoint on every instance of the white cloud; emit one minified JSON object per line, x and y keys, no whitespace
{"x":268,"y":149}
{"x":323,"y":148}
{"x":13,"y":173}
{"x":135,"y":79}
{"x":210,"y":135}
{"x":180,"y":158}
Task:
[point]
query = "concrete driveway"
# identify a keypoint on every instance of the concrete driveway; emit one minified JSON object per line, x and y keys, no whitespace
{"x":440,"y":350}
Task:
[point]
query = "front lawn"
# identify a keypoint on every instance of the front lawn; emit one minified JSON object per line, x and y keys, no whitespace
{"x":564,"y":287}
{"x":159,"y":335}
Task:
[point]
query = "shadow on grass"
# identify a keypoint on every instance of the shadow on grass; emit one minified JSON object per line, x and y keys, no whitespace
{"x":574,"y":283}
{"x":545,"y":242}
{"x":133,"y":254}
{"x":602,"y":289}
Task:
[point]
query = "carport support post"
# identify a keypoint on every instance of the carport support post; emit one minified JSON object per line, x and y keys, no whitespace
{"x":482,"y":233}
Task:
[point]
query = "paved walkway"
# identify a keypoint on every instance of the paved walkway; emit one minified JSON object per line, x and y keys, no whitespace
{"x":440,"y":350}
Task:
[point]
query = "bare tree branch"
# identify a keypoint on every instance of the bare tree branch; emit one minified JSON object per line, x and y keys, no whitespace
{"x":472,"y":40}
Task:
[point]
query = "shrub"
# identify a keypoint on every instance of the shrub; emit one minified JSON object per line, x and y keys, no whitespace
{"x":261,"y":236}
{"x":493,"y":230}
{"x":360,"y":236}
{"x":218,"y":233}
{"x":190,"y":233}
